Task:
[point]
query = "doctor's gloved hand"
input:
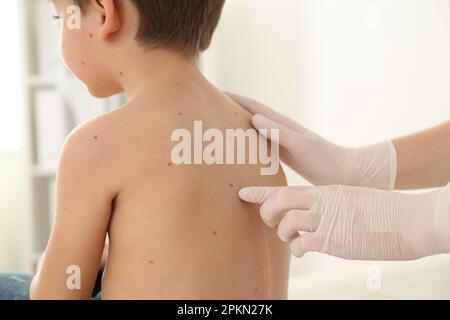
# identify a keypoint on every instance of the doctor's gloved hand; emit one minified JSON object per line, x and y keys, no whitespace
{"x":356,"y":223}
{"x":322,"y":162}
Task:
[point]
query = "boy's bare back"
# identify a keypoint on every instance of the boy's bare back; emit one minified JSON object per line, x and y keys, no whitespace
{"x":175,"y":231}
{"x":180,"y":231}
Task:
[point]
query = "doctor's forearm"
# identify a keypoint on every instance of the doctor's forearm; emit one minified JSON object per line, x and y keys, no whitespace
{"x":423,"y":158}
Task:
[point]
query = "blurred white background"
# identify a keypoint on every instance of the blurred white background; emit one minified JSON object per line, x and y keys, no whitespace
{"x":355,"y":71}
{"x":11,"y":178}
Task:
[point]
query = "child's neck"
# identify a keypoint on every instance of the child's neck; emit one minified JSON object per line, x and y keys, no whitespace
{"x":157,"y":66}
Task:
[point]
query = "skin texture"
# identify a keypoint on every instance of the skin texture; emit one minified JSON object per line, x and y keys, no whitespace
{"x":423,"y":158}
{"x":175,"y":232}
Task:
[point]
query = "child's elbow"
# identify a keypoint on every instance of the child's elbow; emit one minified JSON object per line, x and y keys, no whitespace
{"x":39,"y":290}
{"x":35,"y":293}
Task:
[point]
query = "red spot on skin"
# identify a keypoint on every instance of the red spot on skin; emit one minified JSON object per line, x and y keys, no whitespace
{"x":214,"y":233}
{"x":256,"y":290}
{"x":150,"y":261}
{"x":95,"y":137}
{"x":177,"y":83}
{"x":180,"y":113}
{"x":121,"y":73}
{"x":83,"y":63}
{"x":235,"y":113}
{"x":91,"y":35}
{"x":230,"y":185}
{"x":170,"y":164}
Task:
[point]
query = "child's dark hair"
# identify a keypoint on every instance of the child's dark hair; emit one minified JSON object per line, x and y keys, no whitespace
{"x":185,"y":24}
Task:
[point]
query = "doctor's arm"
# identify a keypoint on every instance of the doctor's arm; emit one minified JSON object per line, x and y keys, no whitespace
{"x":420,"y":160}
{"x":348,"y":214}
{"x":424,"y":158}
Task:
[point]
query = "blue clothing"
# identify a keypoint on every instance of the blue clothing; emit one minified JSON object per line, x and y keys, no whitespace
{"x":15,"y":286}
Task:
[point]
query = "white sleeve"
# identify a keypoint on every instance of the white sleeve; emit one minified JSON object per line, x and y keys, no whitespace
{"x":442,"y":216}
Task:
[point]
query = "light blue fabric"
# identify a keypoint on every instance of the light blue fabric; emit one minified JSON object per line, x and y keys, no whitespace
{"x":15,"y":286}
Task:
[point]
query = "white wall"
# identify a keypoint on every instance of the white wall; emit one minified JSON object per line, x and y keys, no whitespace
{"x":355,"y":71}
{"x":13,"y":222}
{"x":11,"y":106}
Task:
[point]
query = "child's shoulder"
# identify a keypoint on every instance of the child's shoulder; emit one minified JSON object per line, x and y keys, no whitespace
{"x":120,"y":137}
{"x":89,"y":154}
{"x":111,"y":129}
{"x":89,"y":137}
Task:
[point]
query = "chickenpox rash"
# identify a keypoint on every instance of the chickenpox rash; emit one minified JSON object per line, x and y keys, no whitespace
{"x":214,"y":233}
{"x":121,"y":73}
{"x":231,"y":185}
{"x":180,"y":113}
{"x":150,"y":261}
{"x":95,"y":137}
{"x":169,"y":164}
{"x":83,"y":63}
{"x":91,"y":35}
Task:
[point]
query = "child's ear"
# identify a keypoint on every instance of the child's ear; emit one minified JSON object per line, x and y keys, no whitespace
{"x":110,"y":18}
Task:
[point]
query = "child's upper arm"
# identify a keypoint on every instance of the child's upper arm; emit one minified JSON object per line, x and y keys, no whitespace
{"x":85,"y":190}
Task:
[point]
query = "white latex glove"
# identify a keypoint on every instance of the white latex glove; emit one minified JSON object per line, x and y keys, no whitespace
{"x":357,"y":223}
{"x":322,"y":162}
